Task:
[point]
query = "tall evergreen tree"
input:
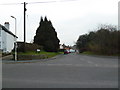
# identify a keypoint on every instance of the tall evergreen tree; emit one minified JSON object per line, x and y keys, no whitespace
{"x":46,"y":36}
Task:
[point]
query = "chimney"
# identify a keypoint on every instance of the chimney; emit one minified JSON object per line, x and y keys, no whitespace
{"x":7,"y":25}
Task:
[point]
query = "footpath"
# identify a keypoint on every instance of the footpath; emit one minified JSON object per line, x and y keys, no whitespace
{"x":8,"y":57}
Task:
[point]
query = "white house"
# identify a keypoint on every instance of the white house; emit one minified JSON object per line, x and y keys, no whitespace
{"x":61,"y":46}
{"x":7,"y":38}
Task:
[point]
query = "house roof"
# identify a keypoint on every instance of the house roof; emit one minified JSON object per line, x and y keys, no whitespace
{"x":6,"y":30}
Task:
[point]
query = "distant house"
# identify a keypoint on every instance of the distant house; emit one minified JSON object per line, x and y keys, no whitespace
{"x":61,"y":46}
{"x":7,"y":38}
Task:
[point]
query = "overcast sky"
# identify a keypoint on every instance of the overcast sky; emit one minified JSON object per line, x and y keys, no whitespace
{"x":70,"y":19}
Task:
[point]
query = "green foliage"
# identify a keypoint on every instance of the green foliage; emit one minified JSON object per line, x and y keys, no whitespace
{"x":82,"y":43}
{"x":46,"y":36}
{"x":103,"y":41}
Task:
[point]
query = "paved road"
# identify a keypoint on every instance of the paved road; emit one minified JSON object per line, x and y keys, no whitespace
{"x":65,"y":71}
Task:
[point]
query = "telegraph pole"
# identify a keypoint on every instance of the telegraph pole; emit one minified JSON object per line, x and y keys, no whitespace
{"x":24,"y":24}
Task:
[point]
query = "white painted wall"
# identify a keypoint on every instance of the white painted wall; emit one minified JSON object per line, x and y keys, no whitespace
{"x":0,"y":38}
{"x":3,"y":43}
{"x":7,"y":41}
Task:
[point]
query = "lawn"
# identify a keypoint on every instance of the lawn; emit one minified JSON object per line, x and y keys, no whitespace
{"x":92,"y":53}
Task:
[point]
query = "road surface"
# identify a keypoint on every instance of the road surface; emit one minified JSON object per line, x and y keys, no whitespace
{"x":65,"y":71}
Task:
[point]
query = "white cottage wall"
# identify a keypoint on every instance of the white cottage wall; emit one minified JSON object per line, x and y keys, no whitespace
{"x":0,"y":38}
{"x":4,"y":41}
{"x":10,"y":39}
{"x":7,"y":39}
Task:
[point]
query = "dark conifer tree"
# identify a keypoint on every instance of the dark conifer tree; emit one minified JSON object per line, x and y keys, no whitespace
{"x":46,"y":36}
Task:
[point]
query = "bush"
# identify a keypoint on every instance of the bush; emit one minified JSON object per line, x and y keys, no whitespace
{"x":103,"y":41}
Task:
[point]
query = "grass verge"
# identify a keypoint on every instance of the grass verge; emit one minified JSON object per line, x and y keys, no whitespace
{"x":92,"y":53}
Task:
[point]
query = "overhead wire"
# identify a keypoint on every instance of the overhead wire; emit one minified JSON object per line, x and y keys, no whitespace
{"x":41,"y":2}
{"x":37,"y":2}
{"x":10,"y":3}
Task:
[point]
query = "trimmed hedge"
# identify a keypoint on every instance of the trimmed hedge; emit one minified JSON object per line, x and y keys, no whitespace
{"x":28,"y":47}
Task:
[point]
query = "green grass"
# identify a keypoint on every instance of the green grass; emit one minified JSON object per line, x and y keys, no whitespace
{"x":48,"y":54}
{"x":88,"y":53}
{"x":92,"y":53}
{"x":52,"y":54}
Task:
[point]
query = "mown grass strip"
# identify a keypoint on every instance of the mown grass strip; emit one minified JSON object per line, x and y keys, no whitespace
{"x":92,"y":53}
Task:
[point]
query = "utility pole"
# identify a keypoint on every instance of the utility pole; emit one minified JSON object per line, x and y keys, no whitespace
{"x":24,"y":24}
